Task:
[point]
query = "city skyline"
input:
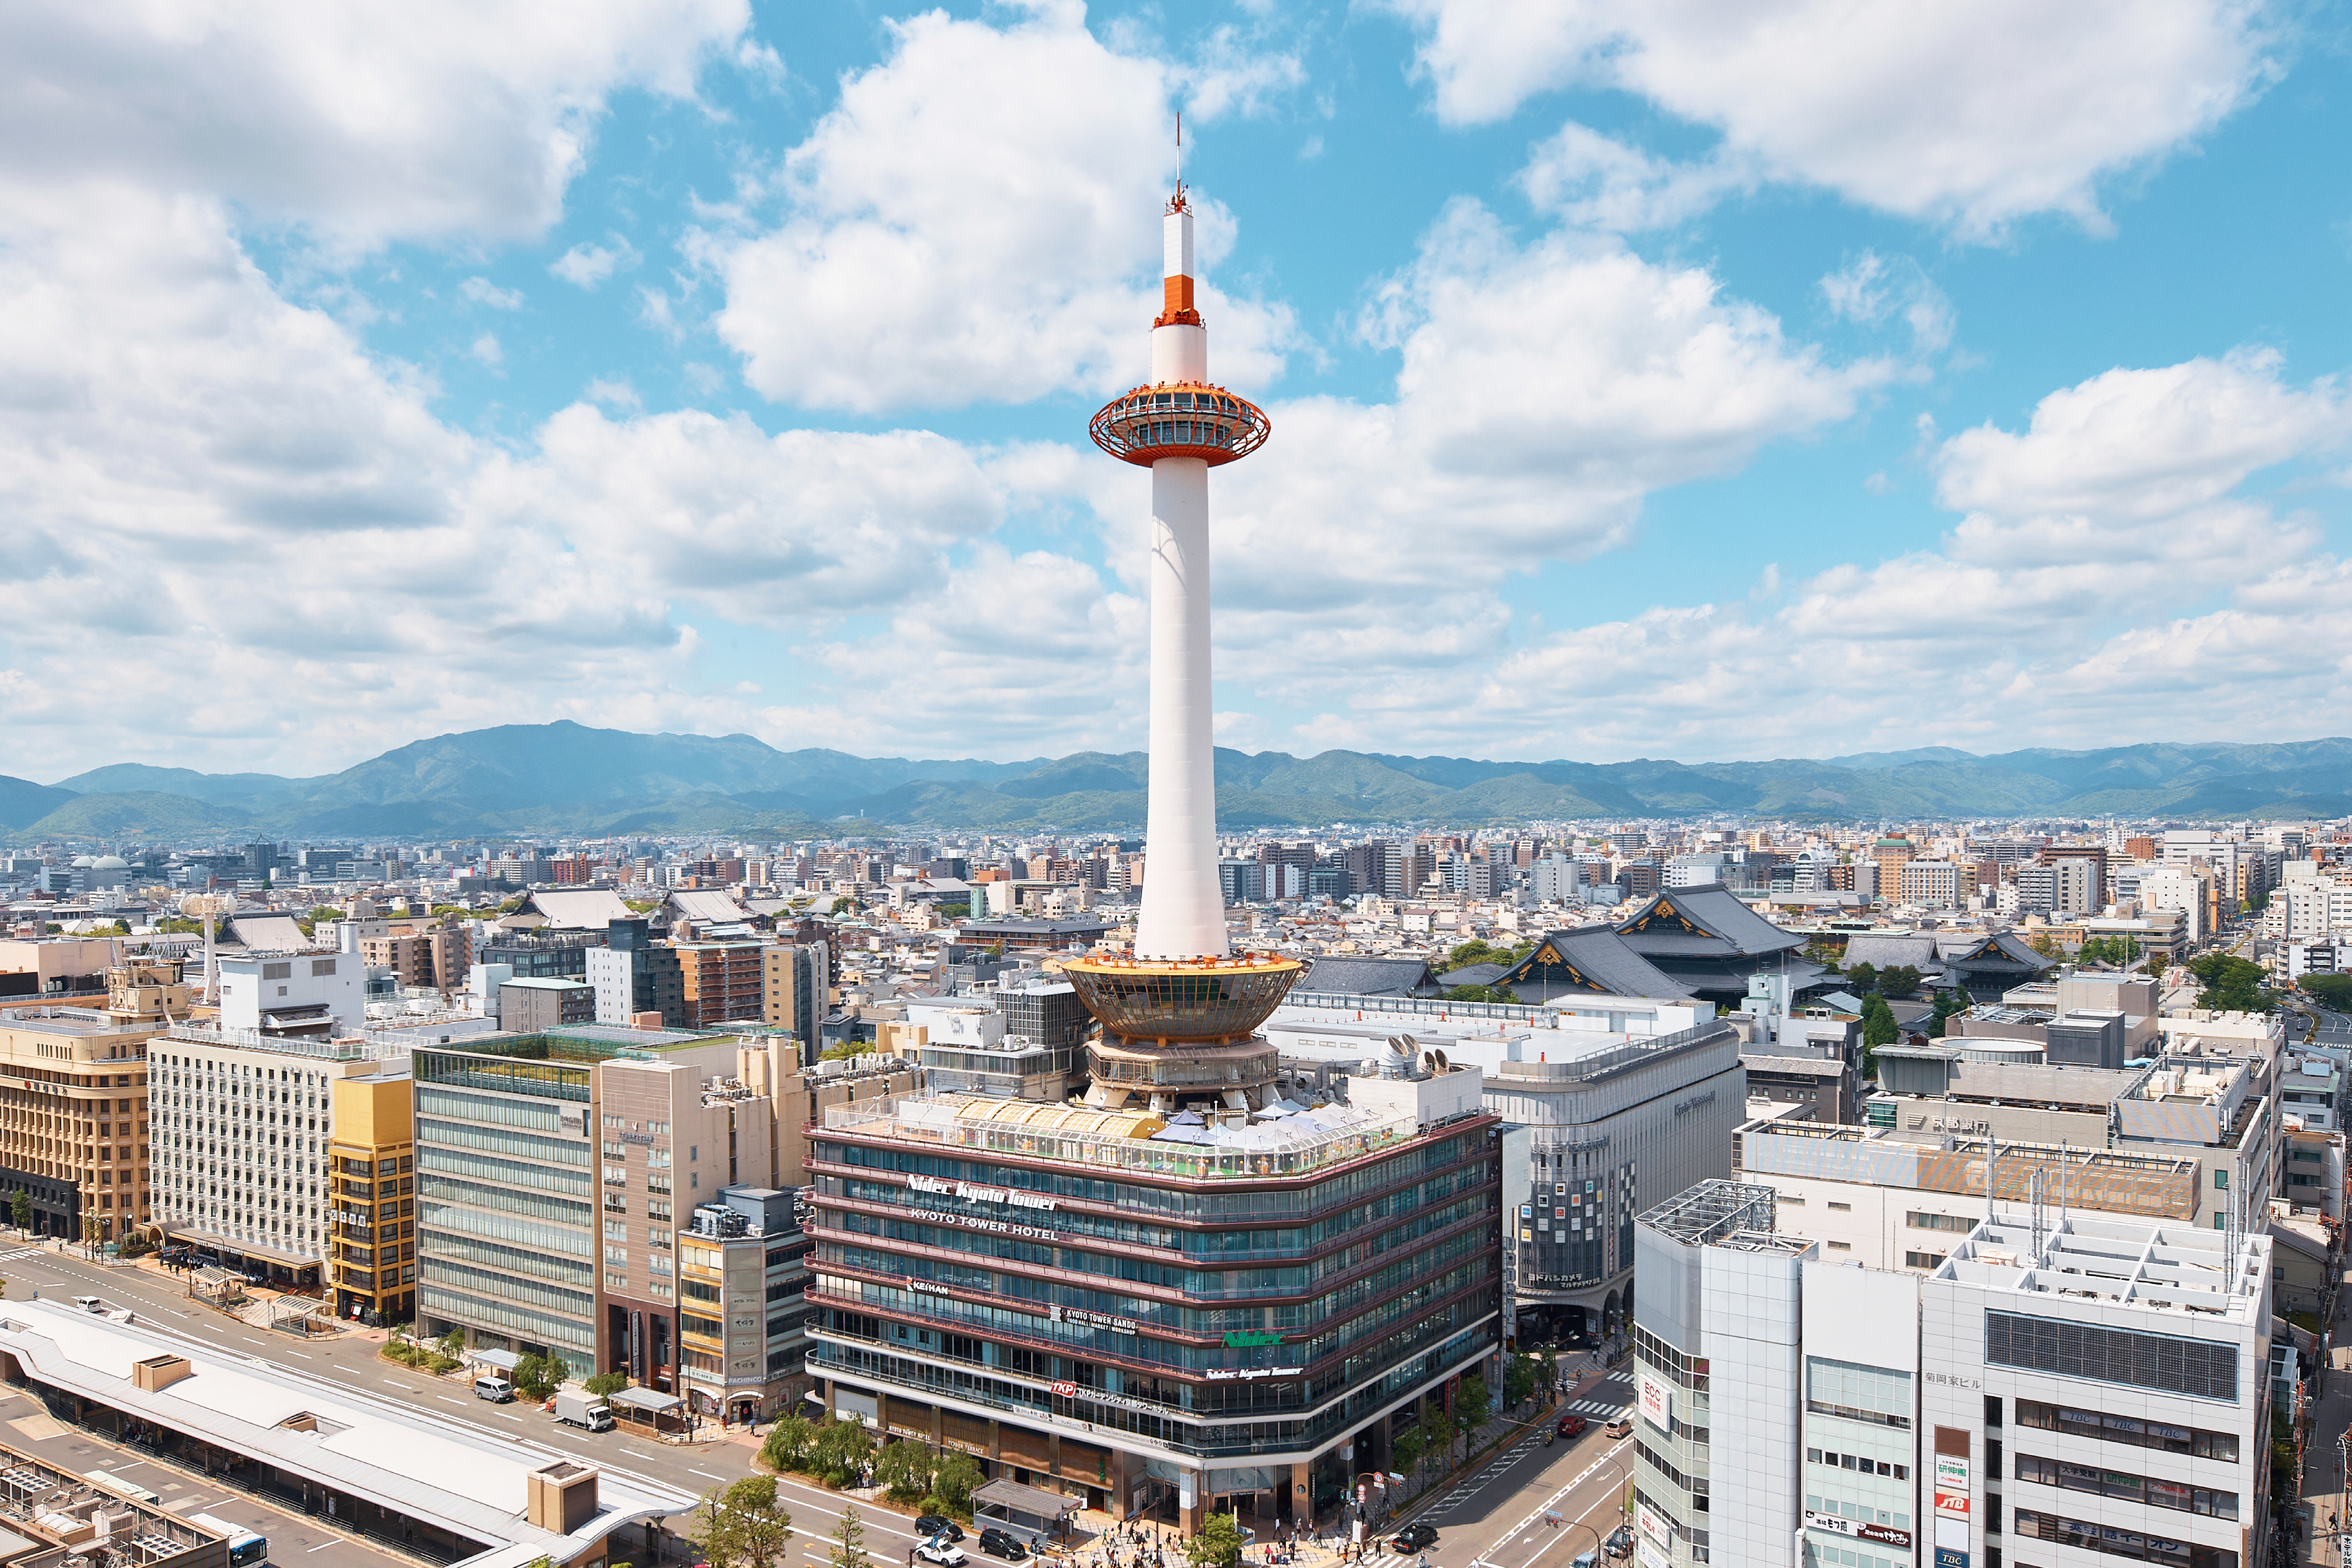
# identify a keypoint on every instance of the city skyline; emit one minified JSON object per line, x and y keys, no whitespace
{"x":716,"y":368}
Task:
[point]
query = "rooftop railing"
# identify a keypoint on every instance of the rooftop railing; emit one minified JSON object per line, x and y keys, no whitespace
{"x":884,"y":1119}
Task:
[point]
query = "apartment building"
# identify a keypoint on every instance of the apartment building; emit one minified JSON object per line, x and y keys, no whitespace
{"x":550,"y":1170}
{"x":742,"y":1279}
{"x":793,"y":985}
{"x":1874,"y":1418}
{"x":720,"y":983}
{"x":74,"y":1134}
{"x":372,"y":1154}
{"x":243,"y":1121}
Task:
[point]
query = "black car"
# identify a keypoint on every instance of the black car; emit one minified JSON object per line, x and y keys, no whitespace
{"x":1003,"y":1543}
{"x":1621,"y":1542}
{"x":929,"y":1525}
{"x":1416,"y":1537}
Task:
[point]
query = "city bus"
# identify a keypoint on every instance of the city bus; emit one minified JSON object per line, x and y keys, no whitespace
{"x":244,"y":1546}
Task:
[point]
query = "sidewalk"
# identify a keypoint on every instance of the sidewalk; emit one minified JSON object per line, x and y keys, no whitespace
{"x":2322,"y":1480}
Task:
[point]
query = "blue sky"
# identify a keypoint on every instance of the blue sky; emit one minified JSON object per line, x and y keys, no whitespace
{"x":1731,"y":380}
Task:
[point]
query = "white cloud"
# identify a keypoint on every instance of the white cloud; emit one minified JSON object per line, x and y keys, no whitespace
{"x":1022,"y":262}
{"x":1599,"y":181}
{"x":180,"y":428}
{"x":1970,"y":112}
{"x":482,"y":291}
{"x":1871,"y":288}
{"x":485,"y":349}
{"x":362,"y":122}
{"x":585,"y":266}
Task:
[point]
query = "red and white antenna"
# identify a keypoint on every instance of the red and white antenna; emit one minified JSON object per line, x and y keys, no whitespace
{"x":1176,"y":201}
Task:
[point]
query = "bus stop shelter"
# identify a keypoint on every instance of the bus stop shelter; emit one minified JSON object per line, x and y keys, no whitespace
{"x":1036,"y":1517}
{"x":662,"y":1412}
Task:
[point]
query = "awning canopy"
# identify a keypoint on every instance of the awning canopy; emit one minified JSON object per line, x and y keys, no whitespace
{"x":249,"y":1249}
{"x":1016,"y":1499}
{"x":504,"y":1360}
{"x":650,"y":1400}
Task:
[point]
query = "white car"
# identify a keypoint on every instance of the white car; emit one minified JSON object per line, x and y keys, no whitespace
{"x":940,"y":1552}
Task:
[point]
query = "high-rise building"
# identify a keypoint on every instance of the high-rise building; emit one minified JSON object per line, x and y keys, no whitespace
{"x":372,"y":1154}
{"x":980,"y":1279}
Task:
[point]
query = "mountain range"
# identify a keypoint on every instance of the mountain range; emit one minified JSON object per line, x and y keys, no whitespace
{"x":567,"y":777}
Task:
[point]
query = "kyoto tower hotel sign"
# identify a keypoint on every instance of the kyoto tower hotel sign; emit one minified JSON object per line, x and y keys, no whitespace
{"x":1183,"y":984}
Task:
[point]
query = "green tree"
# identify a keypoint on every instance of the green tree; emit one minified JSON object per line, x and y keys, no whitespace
{"x":1947,"y":1003}
{"x":1520,"y":1378}
{"x":843,"y":1448}
{"x":20,"y":1210}
{"x":1483,"y":994}
{"x":605,"y":1384}
{"x":2121,"y":951}
{"x":905,"y":1468}
{"x":1219,"y":1545}
{"x":841,"y":1051}
{"x":2330,"y":991}
{"x":849,"y":1541}
{"x":740,"y":1526}
{"x":790,"y":1442}
{"x":2229,"y":984}
{"x":535,"y":1376}
{"x":955,"y":1475}
{"x":1473,"y":951}
{"x":1406,"y":1449}
{"x":1878,"y":1028}
{"x":1898,"y":980}
{"x":1862,"y":979}
{"x":1473,"y":1403}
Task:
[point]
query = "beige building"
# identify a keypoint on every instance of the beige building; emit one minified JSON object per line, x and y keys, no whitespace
{"x":371,"y":1151}
{"x":675,"y":1134}
{"x":73,"y":1103}
{"x":804,"y":1096}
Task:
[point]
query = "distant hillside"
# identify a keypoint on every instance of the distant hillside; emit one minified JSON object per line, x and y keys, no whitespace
{"x":24,"y":802}
{"x":568,"y":778}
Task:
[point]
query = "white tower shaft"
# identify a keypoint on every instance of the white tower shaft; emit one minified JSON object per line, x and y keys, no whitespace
{"x":1183,"y":913}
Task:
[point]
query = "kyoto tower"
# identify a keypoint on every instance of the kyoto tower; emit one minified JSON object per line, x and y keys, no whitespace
{"x":1182,"y":989}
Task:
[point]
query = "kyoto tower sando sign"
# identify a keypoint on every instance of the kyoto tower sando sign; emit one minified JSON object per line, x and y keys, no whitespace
{"x":1179,"y":1012}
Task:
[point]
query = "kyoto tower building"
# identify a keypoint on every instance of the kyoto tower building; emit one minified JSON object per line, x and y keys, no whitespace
{"x":1211,"y":1285}
{"x":1178,"y":1015}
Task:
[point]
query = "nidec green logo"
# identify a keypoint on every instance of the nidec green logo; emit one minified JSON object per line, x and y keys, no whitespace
{"x":1242,"y":1339}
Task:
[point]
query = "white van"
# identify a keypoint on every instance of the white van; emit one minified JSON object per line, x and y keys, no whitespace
{"x":494,"y":1389}
{"x":90,"y":1304}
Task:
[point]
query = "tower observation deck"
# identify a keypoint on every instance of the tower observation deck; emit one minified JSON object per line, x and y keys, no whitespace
{"x":1183,"y":993}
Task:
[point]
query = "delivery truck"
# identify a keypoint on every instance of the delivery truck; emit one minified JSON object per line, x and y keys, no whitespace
{"x":576,"y":1408}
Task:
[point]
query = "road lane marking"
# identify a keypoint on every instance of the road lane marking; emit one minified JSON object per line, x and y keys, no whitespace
{"x":324,"y":1544}
{"x":692,"y":1471}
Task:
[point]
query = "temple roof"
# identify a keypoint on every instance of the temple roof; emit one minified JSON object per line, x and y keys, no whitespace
{"x":1368,"y":976}
{"x":1701,"y":923}
{"x":1593,"y":958}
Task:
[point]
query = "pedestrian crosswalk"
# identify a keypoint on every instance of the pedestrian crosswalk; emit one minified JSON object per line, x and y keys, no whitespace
{"x":20,"y":1254}
{"x":1609,"y":1407}
{"x":1390,"y":1559}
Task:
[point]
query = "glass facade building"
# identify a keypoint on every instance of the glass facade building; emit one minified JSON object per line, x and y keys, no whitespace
{"x":1163,"y":1326}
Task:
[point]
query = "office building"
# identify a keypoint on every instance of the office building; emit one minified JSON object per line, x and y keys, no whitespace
{"x":372,"y":1154}
{"x":74,"y":1131}
{"x":550,"y":1170}
{"x":533,"y":1006}
{"x":1116,"y":1366}
{"x":742,"y":1280}
{"x":720,"y":983}
{"x":243,"y":1123}
{"x":2060,"y":1382}
{"x":634,"y":977}
{"x":293,"y":995}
